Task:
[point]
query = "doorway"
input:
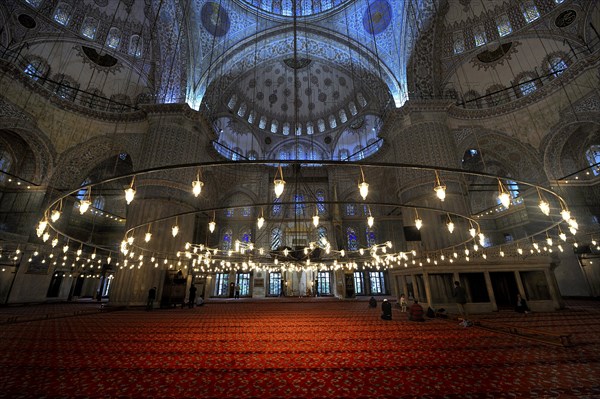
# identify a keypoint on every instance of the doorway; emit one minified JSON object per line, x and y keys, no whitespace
{"x":505,"y":289}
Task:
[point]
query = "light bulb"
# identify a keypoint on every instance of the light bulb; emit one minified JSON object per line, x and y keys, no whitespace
{"x":472,"y":232}
{"x":466,"y":251}
{"x":573,"y":223}
{"x":315,"y":220}
{"x":573,"y":230}
{"x":175,"y":230}
{"x":46,"y":236}
{"x":440,"y":191}
{"x":520,"y":251}
{"x":504,"y":199}
{"x":563,"y":236}
{"x":549,"y":241}
{"x":211,"y":226}
{"x":65,"y":248}
{"x":84,"y":205}
{"x":363,"y":188}
{"x":260,"y":222}
{"x":147,"y":237}
{"x":42,"y":226}
{"x":502,"y":254}
{"x":108,"y":260}
{"x":130,"y":240}
{"x":450,"y":227}
{"x":418,"y":223}
{"x":79,"y":251}
{"x":129,"y":195}
{"x":566,"y":215}
{"x":55,"y":242}
{"x":197,"y":187}
{"x":544,"y":207}
{"x":279,"y":185}
{"x":55,"y":215}
{"x":370,"y":221}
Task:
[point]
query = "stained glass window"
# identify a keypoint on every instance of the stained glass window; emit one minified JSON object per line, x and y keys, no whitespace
{"x":527,"y":87}
{"x":114,"y":38}
{"x":247,"y":236}
{"x":226,"y":243}
{"x":503,"y":24}
{"x":89,"y":28}
{"x":459,"y":45}
{"x":5,"y":164}
{"x":135,"y":46}
{"x":352,"y":239}
{"x":62,"y":14}
{"x":276,"y":237}
{"x":557,"y":66}
{"x":232,"y":102}
{"x":322,"y":234}
{"x":332,"y":122}
{"x":34,"y":3}
{"x":480,"y":37}
{"x":350,"y":209}
{"x":252,"y":155}
{"x":371,"y":238}
{"x":243,"y":280}
{"x":98,"y":203}
{"x":320,"y":194}
{"x":229,"y":212}
{"x":593,"y":158}
{"x":309,"y":128}
{"x":276,"y":211}
{"x":35,"y":69}
{"x":530,"y":11}
{"x":246,"y":211}
{"x":344,"y":154}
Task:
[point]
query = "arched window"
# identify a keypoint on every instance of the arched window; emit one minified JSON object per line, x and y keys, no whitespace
{"x":89,"y":27}
{"x":34,"y":3}
{"x":246,"y":211}
{"x":81,"y":193}
{"x":320,"y":194}
{"x":236,"y":154}
{"x":276,"y":237}
{"x":262,"y":123}
{"x":309,"y":128}
{"x":252,"y":155}
{"x":332,"y":122}
{"x":135,"y":46}
{"x":352,"y":108}
{"x":530,"y":11}
{"x":459,"y":43}
{"x":343,"y":116}
{"x":229,"y":212}
{"x":242,"y":110}
{"x":276,"y":210}
{"x":361,"y":99}
{"x":274,"y":126}
{"x":371,"y":237}
{"x":62,"y":13}
{"x":344,"y":154}
{"x":98,"y":203}
{"x":6,"y":162}
{"x":527,"y":85}
{"x":114,"y":38}
{"x":299,"y":204}
{"x":251,"y":117}
{"x":232,"y":102}
{"x":322,"y":236}
{"x":36,"y":68}
{"x":352,"y":239}
{"x":503,"y":25}
{"x":557,"y":65}
{"x":593,"y":158}
{"x":357,"y":153}
{"x":321,"y":125}
{"x":283,"y":155}
{"x":479,"y":36}
{"x":377,"y":280}
{"x":286,"y":129}
{"x":247,"y":236}
{"x":350,"y":209}
{"x":226,"y":241}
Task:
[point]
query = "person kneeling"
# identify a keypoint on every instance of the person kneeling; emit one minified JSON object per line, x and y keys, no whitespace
{"x":386,"y":310}
{"x":415,"y":313}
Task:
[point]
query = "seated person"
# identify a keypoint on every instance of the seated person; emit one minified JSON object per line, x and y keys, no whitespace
{"x":372,"y":302}
{"x":386,"y":310}
{"x":521,"y":306}
{"x":415,"y":312}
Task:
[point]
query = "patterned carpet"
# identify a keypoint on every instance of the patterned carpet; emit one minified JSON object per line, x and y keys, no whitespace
{"x":294,"y":350}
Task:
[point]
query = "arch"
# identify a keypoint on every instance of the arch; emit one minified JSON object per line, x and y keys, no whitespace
{"x":275,"y":44}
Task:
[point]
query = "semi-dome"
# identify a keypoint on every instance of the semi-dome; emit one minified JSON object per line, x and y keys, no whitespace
{"x":301,"y":8}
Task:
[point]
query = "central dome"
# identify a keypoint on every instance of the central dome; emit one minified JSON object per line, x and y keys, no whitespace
{"x":302,"y":8}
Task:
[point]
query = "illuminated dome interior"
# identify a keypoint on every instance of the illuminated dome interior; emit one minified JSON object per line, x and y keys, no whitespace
{"x":302,"y":7}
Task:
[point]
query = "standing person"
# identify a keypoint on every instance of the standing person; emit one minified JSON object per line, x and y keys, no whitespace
{"x":192,"y":299}
{"x":460,"y":296}
{"x":521,"y":306}
{"x":151,"y":298}
{"x":415,"y":313}
{"x":386,"y":310}
{"x":237,"y":291}
{"x":403,"y":303}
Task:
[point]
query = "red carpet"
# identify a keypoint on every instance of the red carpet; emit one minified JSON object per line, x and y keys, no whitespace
{"x":292,"y":350}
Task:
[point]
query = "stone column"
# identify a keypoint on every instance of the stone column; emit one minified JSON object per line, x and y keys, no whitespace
{"x":171,"y":139}
{"x":490,"y":289}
